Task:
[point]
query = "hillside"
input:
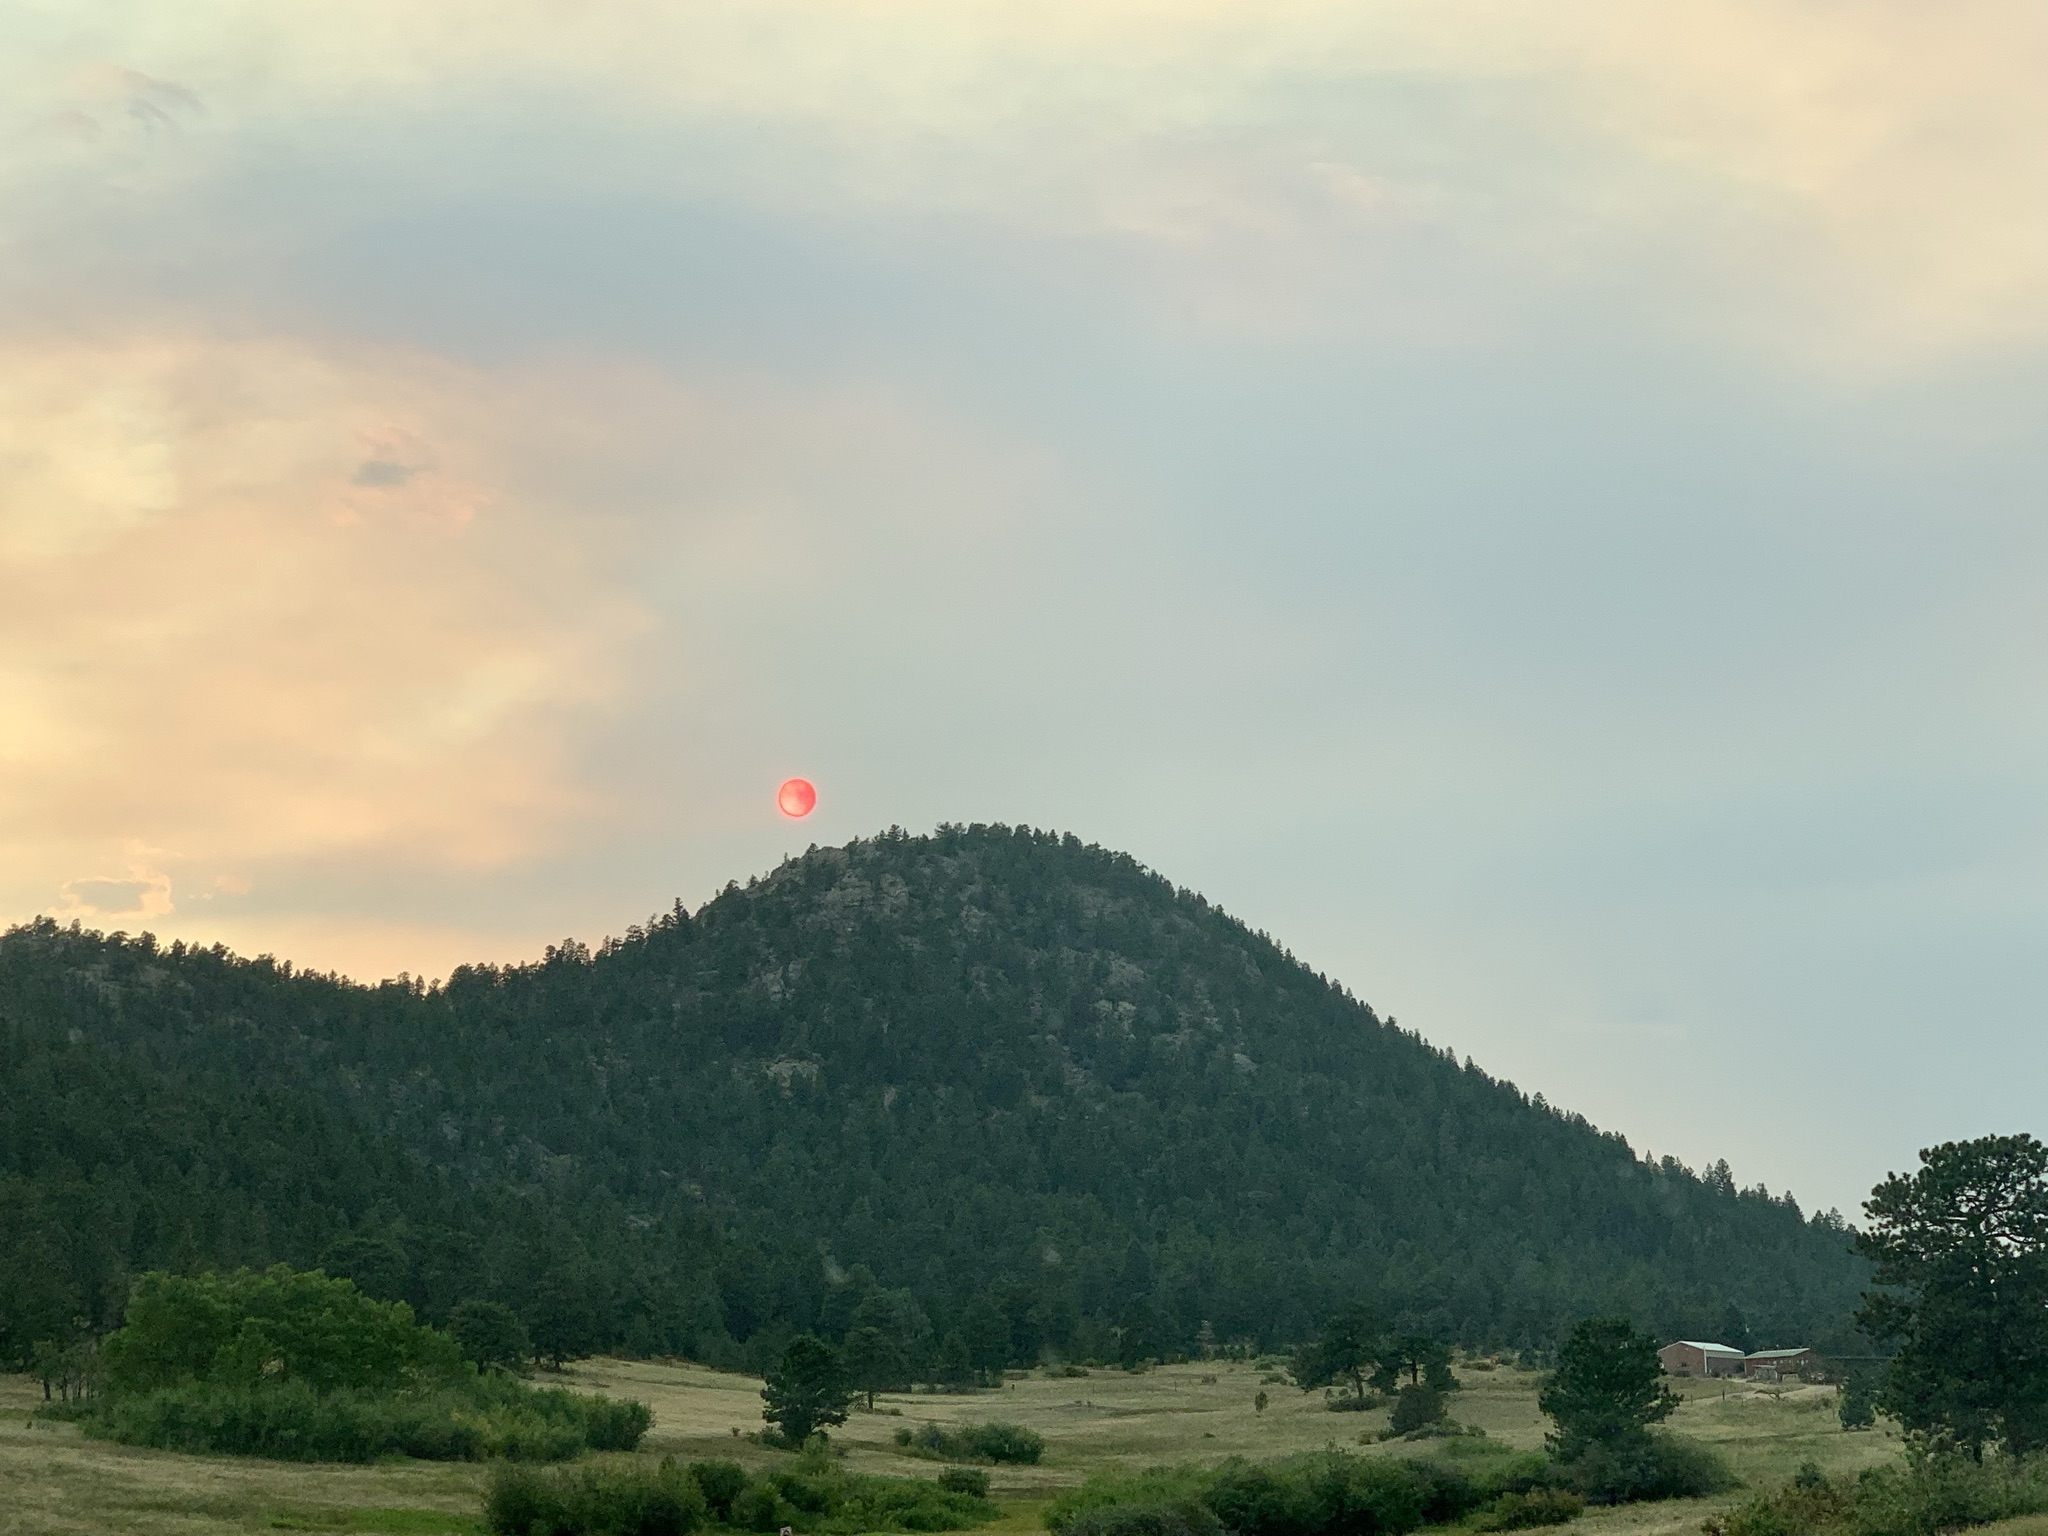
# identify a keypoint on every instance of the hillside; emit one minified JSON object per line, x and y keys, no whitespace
{"x":1062,"y":1105}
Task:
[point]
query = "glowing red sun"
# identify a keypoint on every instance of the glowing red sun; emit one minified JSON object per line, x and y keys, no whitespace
{"x":796,"y":798}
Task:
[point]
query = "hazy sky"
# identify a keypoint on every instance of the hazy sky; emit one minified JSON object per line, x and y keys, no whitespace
{"x":1539,"y":506}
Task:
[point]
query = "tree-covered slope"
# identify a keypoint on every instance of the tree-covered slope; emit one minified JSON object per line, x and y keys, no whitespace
{"x":1064,"y":1106}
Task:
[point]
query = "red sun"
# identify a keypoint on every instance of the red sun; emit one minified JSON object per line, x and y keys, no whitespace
{"x":797,"y":798}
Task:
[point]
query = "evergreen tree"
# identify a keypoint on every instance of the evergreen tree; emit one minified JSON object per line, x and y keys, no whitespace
{"x":1349,"y":1350}
{"x":1857,"y":1407}
{"x":1962,"y":1248}
{"x":1607,"y":1389}
{"x":491,"y":1334}
{"x":806,"y":1391}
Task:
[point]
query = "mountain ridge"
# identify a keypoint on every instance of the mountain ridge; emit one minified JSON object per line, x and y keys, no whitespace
{"x":1057,"y":1103}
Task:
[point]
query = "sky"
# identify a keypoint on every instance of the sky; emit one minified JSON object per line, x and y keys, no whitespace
{"x":1538,"y":507}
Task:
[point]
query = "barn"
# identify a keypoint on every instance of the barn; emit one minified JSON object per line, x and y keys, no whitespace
{"x":1778,"y":1364}
{"x":1691,"y":1357}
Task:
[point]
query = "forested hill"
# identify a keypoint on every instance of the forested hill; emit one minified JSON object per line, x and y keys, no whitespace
{"x":1065,"y":1107}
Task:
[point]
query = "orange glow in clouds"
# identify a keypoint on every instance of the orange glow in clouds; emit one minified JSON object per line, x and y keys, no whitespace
{"x":796,"y":798}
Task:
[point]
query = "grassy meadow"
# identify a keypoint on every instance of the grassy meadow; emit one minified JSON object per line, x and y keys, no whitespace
{"x":53,"y":1482}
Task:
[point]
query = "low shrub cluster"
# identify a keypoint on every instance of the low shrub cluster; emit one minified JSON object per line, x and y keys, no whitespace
{"x":994,"y":1441}
{"x":1656,"y":1465}
{"x":290,"y":1421}
{"x":1931,"y":1492}
{"x":616,"y":1501}
{"x":1527,"y":1511}
{"x":303,"y":1367}
{"x":816,"y":1497}
{"x":1328,"y":1493}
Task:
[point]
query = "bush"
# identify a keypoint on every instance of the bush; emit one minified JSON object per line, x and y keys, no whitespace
{"x":1327,"y":1493}
{"x":1646,"y":1466}
{"x":1526,"y":1511}
{"x":1931,"y":1493}
{"x":301,"y":1367}
{"x":1184,"y":1518}
{"x":290,"y":1421}
{"x":1415,"y":1408}
{"x":968,"y":1480}
{"x":616,"y":1501}
{"x":721,"y":1483}
{"x":615,"y":1424}
{"x":996,"y":1442}
{"x":824,"y":1499}
{"x":1156,"y":1485}
{"x":245,"y":1328}
{"x":758,"y":1508}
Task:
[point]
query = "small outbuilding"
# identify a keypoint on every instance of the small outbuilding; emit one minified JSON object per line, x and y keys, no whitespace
{"x":1691,"y":1357}
{"x":1778,"y":1364}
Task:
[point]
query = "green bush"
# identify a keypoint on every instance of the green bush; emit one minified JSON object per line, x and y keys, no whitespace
{"x":758,"y":1508}
{"x":1526,"y":1511}
{"x":246,"y":1328}
{"x":1651,"y":1465}
{"x":289,"y":1421}
{"x":1931,"y":1493}
{"x":1330,"y":1493}
{"x":301,"y":1367}
{"x":1185,"y":1518}
{"x":721,"y":1482}
{"x":614,"y":1501}
{"x":1155,"y":1485}
{"x":827,"y":1501}
{"x":968,"y":1480}
{"x":1416,"y":1408}
{"x":614,"y":1424}
{"x":994,"y":1441}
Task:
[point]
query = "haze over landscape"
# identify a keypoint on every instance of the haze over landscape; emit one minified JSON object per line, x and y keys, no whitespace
{"x":1537,"y":509}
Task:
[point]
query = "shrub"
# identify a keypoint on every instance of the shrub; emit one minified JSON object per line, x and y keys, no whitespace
{"x":758,"y":1508}
{"x":1526,"y":1511}
{"x":968,"y":1480}
{"x":994,"y":1441}
{"x":825,"y":1500}
{"x":1329,"y":1493}
{"x":1415,"y":1408}
{"x":289,"y":1421}
{"x":1156,"y":1485}
{"x":1931,"y":1493}
{"x":721,"y":1483}
{"x":1183,"y":1518}
{"x":614,"y":1501}
{"x":1646,"y":1466}
{"x":247,"y":1328}
{"x":304,"y":1368}
{"x":615,"y":1424}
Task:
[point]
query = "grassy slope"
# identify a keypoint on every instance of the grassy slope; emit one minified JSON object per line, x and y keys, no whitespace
{"x":53,"y":1481}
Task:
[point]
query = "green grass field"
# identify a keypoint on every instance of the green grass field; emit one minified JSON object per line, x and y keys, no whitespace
{"x":52,"y":1480}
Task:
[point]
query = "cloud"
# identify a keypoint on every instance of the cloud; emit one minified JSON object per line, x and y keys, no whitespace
{"x":142,"y":893}
{"x":1849,"y":183}
{"x":296,"y":611}
{"x":221,"y":642}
